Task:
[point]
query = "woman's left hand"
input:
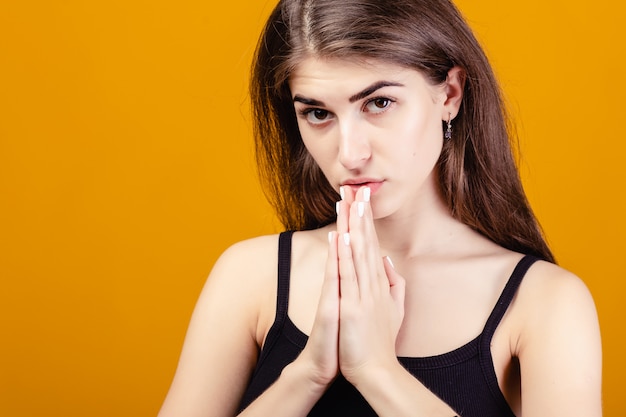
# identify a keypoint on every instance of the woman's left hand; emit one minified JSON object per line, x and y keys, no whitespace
{"x":372,"y":292}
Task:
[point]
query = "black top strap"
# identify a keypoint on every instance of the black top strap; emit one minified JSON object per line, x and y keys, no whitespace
{"x":282,"y":295}
{"x":284,"y":272}
{"x":485,"y":358}
{"x":507,"y":295}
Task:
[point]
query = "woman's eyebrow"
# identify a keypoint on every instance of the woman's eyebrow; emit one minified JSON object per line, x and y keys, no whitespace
{"x":358,"y":96}
{"x":372,"y":88}
{"x":308,"y":101}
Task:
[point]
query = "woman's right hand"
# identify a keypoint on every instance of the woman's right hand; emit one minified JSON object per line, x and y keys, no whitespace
{"x":320,"y":358}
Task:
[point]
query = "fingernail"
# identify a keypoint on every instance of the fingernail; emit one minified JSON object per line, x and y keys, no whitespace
{"x":346,"y":238}
{"x":342,"y":193}
{"x":360,"y":208}
{"x":337,"y":207}
{"x":366,"y":194}
{"x":390,"y":263}
{"x":330,"y":237}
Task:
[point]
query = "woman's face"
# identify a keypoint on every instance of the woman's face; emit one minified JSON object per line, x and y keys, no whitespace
{"x":374,"y":124}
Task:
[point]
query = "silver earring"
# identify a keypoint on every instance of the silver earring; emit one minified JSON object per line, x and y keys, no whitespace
{"x":448,"y":133}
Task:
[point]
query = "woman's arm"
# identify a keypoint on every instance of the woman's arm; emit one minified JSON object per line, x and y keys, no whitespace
{"x":220,"y":348}
{"x":232,"y":315}
{"x":559,"y":346}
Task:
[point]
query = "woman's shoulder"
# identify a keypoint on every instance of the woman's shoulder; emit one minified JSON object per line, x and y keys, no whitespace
{"x":263,"y":250}
{"x":553,"y":300}
{"x":243,"y":283}
{"x":249,"y":253}
{"x":254,"y":244}
{"x":247,"y":271}
{"x":546,"y":284}
{"x":245,"y":264}
{"x":258,"y":256}
{"x":558,"y":343}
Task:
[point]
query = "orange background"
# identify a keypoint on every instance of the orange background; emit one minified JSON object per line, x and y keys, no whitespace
{"x":126,"y":168}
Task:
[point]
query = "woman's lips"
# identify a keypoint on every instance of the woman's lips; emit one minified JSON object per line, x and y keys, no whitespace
{"x":374,"y":185}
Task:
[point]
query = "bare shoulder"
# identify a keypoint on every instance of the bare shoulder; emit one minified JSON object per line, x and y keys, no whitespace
{"x":246,"y":266}
{"x":553,"y":300}
{"x":252,"y":255}
{"x":233,"y":307}
{"x":558,"y":344}
{"x":548,"y":288}
{"x":244,"y":278}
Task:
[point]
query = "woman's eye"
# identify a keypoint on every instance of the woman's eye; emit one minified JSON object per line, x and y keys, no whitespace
{"x":317,"y":116}
{"x":378,"y":105}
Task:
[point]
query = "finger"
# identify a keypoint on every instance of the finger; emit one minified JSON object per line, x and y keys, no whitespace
{"x":380,"y":278}
{"x":365,"y":250}
{"x":347,"y":194}
{"x":328,"y":306}
{"x":343,"y":209}
{"x":360,"y":248}
{"x":323,"y":343}
{"x":343,"y":216}
{"x":330,"y":288}
{"x":347,"y":278}
{"x":348,"y":284}
{"x":397,"y":285}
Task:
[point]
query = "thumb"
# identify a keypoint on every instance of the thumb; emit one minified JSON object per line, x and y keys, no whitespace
{"x":397,"y":284}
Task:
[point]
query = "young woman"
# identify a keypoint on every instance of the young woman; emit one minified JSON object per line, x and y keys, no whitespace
{"x":417,"y":281}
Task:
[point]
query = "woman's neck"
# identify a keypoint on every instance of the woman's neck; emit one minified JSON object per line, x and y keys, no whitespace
{"x":425,"y":228}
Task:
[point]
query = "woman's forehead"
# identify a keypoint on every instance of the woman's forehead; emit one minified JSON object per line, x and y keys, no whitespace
{"x":315,"y":69}
{"x":346,"y":79}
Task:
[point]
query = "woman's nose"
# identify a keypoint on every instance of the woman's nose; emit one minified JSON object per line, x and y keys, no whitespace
{"x":354,"y":147}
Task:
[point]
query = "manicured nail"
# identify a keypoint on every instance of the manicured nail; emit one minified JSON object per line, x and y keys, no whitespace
{"x":342,"y":193}
{"x":337,"y":207}
{"x":360,"y":208}
{"x":346,"y":238}
{"x":330,"y":237}
{"x":366,"y":194}
{"x":390,"y":263}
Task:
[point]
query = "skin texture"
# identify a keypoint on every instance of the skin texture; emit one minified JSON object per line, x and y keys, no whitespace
{"x":361,"y":310}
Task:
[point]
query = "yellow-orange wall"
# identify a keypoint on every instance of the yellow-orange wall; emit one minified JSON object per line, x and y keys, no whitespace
{"x":126,"y":168}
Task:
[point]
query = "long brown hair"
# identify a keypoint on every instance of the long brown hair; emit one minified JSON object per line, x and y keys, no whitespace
{"x":478,"y":177}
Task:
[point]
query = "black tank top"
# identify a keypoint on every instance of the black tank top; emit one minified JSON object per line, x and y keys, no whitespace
{"x":464,"y":378}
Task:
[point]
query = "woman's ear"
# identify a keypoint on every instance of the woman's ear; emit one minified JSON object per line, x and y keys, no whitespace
{"x":454,"y":87}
